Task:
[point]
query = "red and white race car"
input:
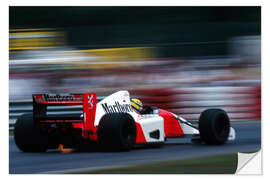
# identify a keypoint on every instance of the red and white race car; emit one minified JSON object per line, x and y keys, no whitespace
{"x":111,"y":124}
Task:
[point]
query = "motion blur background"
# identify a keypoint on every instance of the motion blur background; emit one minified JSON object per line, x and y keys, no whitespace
{"x":183,"y":59}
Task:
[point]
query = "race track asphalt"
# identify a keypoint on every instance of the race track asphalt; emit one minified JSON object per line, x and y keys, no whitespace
{"x":248,"y":139}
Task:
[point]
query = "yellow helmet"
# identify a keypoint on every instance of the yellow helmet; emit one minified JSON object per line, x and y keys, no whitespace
{"x":136,"y":105}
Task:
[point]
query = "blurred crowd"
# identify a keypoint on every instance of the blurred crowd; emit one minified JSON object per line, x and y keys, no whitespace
{"x":57,"y":68}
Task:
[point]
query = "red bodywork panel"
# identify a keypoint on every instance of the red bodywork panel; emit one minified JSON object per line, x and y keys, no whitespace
{"x":172,"y":127}
{"x":77,"y":125}
{"x":140,"y":136}
{"x":89,"y":114}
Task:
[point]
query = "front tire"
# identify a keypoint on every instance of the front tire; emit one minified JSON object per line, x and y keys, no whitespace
{"x":117,"y":132}
{"x":214,"y":126}
{"x":27,"y":137}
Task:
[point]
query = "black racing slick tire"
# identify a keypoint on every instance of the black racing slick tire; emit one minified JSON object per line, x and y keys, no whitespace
{"x":214,"y":126}
{"x":117,"y":132}
{"x":27,"y":137}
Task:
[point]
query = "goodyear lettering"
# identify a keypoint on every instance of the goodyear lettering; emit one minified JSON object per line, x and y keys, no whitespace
{"x":117,"y":107}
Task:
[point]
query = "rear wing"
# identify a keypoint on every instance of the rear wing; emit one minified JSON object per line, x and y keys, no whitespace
{"x":87,"y":102}
{"x":56,"y":99}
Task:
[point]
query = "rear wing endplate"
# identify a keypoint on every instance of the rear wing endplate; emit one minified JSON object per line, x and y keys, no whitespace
{"x":87,"y":100}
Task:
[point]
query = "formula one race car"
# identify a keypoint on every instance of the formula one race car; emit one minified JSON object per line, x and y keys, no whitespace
{"x":111,"y":124}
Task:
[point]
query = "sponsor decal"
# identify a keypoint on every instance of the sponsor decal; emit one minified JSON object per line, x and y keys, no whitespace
{"x":58,"y":97}
{"x":90,"y":101}
{"x":117,"y":107}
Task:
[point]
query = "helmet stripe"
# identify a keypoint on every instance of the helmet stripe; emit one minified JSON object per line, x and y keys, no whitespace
{"x":135,"y":109}
{"x":135,"y":103}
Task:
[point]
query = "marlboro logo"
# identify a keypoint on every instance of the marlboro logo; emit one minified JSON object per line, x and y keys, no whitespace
{"x":117,"y":107}
{"x":57,"y":97}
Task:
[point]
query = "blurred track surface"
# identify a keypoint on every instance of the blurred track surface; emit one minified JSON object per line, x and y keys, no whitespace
{"x":248,"y":139}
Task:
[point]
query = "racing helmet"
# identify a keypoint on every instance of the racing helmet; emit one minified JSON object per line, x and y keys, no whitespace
{"x":136,"y":105}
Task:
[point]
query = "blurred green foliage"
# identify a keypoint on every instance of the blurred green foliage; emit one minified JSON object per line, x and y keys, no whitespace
{"x":87,"y":16}
{"x":162,"y":27}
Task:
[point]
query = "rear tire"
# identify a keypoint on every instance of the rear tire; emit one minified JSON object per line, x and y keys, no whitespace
{"x":27,"y":137}
{"x":117,"y":132}
{"x":214,"y":126}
